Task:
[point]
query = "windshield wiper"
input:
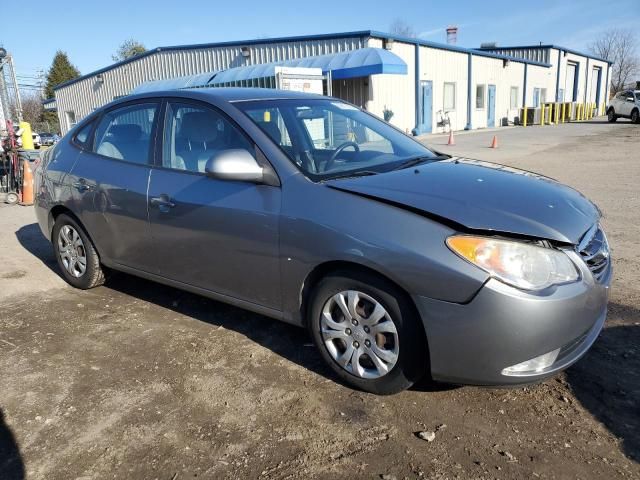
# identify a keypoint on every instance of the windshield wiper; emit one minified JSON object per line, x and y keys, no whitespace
{"x":412,"y":162}
{"x":357,"y":173}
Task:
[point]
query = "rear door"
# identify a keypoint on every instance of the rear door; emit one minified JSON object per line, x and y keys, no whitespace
{"x":214,"y":234}
{"x":109,"y":183}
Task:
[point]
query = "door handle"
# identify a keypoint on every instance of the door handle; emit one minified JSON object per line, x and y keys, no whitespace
{"x":162,"y":202}
{"x":82,"y":185}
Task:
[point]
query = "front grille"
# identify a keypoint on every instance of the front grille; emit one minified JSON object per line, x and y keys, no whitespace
{"x":594,"y":250}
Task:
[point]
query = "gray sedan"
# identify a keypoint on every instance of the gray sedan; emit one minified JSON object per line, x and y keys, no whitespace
{"x":400,"y":262}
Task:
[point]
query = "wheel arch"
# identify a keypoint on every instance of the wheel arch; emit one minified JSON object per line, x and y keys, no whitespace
{"x":347,"y":267}
{"x":58,"y":210}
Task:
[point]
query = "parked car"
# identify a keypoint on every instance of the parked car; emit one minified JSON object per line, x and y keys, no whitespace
{"x":36,"y":141}
{"x":48,"y":139}
{"x":625,"y":104}
{"x":399,"y":261}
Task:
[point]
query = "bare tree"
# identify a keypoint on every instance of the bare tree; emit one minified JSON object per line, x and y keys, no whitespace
{"x":129,"y":48}
{"x":402,"y":28}
{"x":621,"y":47}
{"x":32,"y":108}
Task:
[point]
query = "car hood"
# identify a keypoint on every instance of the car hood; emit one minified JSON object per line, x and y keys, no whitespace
{"x":476,"y":195}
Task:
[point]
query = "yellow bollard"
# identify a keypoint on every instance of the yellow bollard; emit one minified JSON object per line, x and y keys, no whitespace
{"x":27,"y":136}
{"x":524,"y":114}
{"x":542,"y":114}
{"x":564,"y":109}
{"x":556,"y":108}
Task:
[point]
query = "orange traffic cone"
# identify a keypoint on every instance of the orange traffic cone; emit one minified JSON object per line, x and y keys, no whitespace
{"x":494,"y":142}
{"x":451,"y":139}
{"x":27,"y":184}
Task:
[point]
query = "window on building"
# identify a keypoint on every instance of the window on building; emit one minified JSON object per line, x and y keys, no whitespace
{"x":449,"y":102}
{"x":543,"y":95}
{"x":513,"y":104}
{"x":480,"y":92}
{"x":125,"y":133}
{"x":71,"y":118}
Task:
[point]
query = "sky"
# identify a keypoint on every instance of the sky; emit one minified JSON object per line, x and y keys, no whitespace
{"x":91,"y":31}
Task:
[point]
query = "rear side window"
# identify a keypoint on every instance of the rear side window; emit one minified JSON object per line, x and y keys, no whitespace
{"x":125,"y":133}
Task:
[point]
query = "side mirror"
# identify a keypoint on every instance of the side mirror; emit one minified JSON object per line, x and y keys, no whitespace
{"x":236,"y":164}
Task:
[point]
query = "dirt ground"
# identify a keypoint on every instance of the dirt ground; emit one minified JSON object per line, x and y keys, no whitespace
{"x":137,"y":380}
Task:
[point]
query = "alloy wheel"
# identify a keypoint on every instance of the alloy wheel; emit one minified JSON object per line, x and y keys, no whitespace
{"x":72,"y":251}
{"x":359,"y":334}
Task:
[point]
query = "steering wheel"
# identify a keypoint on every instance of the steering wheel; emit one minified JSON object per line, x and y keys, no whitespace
{"x":339,"y":150}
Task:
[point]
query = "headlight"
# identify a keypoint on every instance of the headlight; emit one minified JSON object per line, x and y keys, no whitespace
{"x":519,"y":264}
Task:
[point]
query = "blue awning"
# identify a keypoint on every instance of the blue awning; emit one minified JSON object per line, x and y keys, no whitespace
{"x":351,"y":64}
{"x":354,"y":63}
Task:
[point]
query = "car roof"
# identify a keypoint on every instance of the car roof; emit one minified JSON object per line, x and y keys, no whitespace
{"x":229,"y":94}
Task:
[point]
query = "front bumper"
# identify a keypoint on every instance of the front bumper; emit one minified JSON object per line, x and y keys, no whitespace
{"x":502,"y":326}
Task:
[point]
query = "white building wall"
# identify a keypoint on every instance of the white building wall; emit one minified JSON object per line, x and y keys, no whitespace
{"x":442,"y":66}
{"x":542,"y":78}
{"x":587,"y":82}
{"x":395,"y":92}
{"x":491,"y":71}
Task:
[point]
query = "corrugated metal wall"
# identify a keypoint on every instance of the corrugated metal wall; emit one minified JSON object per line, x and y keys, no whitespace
{"x":85,"y":96}
{"x":541,"y":55}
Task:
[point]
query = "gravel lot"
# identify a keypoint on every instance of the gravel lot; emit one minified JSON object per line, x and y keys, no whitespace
{"x":138,"y":380}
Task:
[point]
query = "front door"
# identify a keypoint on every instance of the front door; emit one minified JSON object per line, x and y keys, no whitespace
{"x":109,"y":183}
{"x":491,"y":106}
{"x":217,"y":235}
{"x":426,"y":104}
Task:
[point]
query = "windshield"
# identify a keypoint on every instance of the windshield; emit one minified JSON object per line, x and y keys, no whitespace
{"x":638,"y":96}
{"x":327,"y":138}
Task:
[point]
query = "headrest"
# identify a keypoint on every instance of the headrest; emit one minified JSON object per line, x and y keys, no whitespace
{"x":199,"y":126}
{"x":127,"y":132}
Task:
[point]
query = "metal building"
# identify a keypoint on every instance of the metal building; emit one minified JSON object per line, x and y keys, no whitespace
{"x":475,"y":88}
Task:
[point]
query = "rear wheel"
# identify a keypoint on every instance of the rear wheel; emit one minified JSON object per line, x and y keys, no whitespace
{"x":76,"y":254}
{"x":611,"y":115}
{"x":367,"y":332}
{"x":635,"y":116}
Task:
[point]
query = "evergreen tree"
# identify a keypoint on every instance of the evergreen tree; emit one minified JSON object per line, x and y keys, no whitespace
{"x":61,"y":71}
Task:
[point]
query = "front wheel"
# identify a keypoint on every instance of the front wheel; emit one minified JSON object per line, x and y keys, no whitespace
{"x":611,"y":115}
{"x":367,"y":332}
{"x":635,"y":117}
{"x":76,"y":255}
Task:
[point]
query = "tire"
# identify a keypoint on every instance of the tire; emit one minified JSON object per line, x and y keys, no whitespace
{"x":71,"y":243}
{"x":611,"y":115}
{"x":404,"y":354}
{"x":635,"y":116}
{"x":11,"y":198}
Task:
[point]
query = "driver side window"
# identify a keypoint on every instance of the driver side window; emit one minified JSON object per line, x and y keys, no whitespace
{"x":193,"y":134}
